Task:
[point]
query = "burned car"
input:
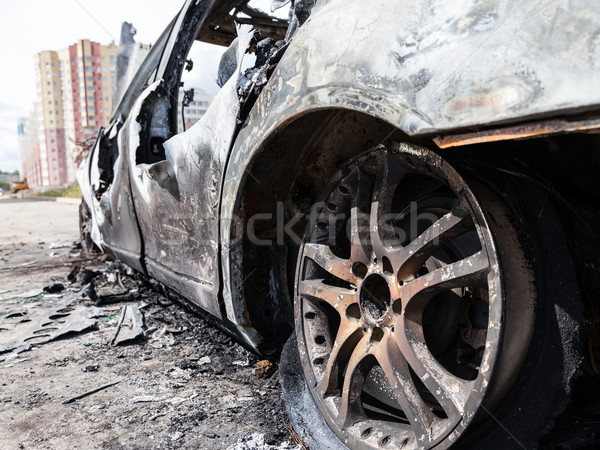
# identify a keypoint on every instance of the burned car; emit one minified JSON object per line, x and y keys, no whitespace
{"x":400,"y":198}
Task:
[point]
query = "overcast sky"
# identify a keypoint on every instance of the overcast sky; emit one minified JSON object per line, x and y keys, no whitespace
{"x":28,"y":27}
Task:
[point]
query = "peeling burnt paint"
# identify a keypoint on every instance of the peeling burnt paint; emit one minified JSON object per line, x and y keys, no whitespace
{"x":299,"y":13}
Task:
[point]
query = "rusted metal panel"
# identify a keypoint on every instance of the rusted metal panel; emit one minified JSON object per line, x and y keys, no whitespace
{"x":528,"y":130}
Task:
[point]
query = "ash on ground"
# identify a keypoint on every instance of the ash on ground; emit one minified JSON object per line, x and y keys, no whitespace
{"x":172,"y":381}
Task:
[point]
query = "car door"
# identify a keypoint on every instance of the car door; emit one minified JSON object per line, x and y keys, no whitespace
{"x":177,"y":176}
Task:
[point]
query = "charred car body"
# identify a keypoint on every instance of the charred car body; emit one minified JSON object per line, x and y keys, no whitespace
{"x":404,"y":187}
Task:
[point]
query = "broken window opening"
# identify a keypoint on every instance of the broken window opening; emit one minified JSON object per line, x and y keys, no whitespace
{"x":202,"y":61}
{"x":108,"y":151}
{"x":198,"y":83}
{"x":145,"y":75}
{"x":154,"y":119}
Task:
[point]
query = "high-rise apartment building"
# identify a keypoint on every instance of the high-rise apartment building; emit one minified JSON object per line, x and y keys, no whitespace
{"x":195,"y":110}
{"x":31,"y":163}
{"x":74,"y":95}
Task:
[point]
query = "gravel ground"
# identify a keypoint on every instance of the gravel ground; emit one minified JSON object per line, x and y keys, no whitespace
{"x":185,"y":385}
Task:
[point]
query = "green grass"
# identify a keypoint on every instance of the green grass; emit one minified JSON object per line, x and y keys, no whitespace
{"x":69,"y":192}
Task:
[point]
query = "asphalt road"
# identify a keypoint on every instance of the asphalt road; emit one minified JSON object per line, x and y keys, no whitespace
{"x":29,"y":228}
{"x":33,"y":220}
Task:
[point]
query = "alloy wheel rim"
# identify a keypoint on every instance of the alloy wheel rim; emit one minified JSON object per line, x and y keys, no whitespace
{"x":360,"y":311}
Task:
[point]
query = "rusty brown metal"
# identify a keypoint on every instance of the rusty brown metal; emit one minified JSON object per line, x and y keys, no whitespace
{"x":525,"y":131}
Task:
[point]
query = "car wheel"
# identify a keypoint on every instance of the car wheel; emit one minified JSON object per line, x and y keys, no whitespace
{"x":416,"y":304}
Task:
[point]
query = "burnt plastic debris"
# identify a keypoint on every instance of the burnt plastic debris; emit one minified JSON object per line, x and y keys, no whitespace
{"x":54,"y":288}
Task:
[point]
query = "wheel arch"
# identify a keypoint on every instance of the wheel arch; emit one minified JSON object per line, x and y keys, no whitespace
{"x":276,"y":170}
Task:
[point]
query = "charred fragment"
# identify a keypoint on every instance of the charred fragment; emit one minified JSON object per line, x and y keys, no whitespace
{"x":155,"y":130}
{"x":19,"y":331}
{"x":299,"y":13}
{"x":252,"y":81}
{"x":129,"y":57}
{"x":108,"y":152}
{"x":130,"y":325}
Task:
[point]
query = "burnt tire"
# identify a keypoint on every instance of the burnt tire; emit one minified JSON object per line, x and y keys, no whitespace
{"x":469,"y":341}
